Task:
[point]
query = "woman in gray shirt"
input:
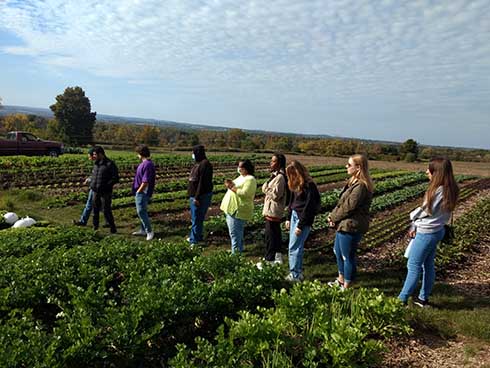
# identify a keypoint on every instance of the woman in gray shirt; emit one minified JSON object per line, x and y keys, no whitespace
{"x":428,"y":229}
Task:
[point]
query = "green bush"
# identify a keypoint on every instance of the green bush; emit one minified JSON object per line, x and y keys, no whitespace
{"x":71,"y":299}
{"x":312,"y":326}
{"x":81,"y":301}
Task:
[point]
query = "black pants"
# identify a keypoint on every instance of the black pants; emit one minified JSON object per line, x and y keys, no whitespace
{"x":273,"y":239}
{"x":103,"y":201}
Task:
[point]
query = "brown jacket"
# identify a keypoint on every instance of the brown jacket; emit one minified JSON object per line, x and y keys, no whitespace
{"x":275,"y":197}
{"x":352,"y":211}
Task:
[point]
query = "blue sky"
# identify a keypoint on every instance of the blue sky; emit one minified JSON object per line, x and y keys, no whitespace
{"x":385,"y":69}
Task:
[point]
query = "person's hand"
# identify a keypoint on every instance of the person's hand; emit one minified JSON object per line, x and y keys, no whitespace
{"x":287,"y":225}
{"x":229,"y":183}
{"x":330,"y":222}
{"x":412,"y":233}
{"x":196,"y":202}
{"x":297,"y":231}
{"x":87,"y":181}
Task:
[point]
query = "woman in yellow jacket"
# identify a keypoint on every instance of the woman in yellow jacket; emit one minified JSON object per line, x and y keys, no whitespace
{"x":238,"y":203}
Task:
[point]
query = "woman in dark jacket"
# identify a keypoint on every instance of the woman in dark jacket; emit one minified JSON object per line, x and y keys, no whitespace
{"x":200,"y":190}
{"x":351,"y":218}
{"x":304,"y":205}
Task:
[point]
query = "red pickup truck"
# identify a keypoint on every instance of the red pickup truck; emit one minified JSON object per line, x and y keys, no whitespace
{"x":24,"y":143}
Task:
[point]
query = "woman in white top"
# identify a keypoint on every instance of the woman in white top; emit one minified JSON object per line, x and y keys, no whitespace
{"x":428,"y":229}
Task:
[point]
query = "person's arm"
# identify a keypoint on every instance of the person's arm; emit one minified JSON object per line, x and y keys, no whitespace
{"x":142,"y":187}
{"x":353,"y":201}
{"x":309,"y":212}
{"x":114,"y":179}
{"x":203,"y":174}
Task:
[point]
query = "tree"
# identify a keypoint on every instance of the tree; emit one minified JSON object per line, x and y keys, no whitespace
{"x":235,"y":137}
{"x":72,"y":111}
{"x":1,"y":106}
{"x":18,"y":122}
{"x":409,"y":150}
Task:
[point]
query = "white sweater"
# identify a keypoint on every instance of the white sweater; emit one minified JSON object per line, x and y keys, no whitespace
{"x":430,"y":223}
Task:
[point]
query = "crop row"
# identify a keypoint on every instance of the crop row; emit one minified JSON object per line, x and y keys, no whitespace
{"x":169,"y":190}
{"x":70,"y":299}
{"x":387,"y":229}
{"x":70,"y":174}
{"x":469,"y":230}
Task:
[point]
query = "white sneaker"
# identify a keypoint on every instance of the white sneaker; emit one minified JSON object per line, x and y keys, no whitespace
{"x":150,"y":235}
{"x":140,"y":232}
{"x":260,"y":265}
{"x":335,"y":283}
{"x":291,"y":278}
{"x":278,"y":258}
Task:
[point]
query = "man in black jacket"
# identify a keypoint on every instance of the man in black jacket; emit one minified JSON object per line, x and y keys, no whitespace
{"x":200,"y":190}
{"x":104,"y":176}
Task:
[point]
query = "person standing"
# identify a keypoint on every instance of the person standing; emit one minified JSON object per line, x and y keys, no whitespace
{"x":351,"y":218}
{"x":238,"y":203}
{"x":427,"y":229}
{"x":276,"y":195}
{"x":143,"y":187}
{"x":88,"y":205}
{"x":104,"y":176}
{"x":200,"y":191}
{"x":303,"y":207}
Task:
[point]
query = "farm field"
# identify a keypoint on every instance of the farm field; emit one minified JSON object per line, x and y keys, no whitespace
{"x":83,"y":298}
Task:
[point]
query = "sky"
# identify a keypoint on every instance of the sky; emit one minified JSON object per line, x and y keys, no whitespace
{"x":370,"y":69}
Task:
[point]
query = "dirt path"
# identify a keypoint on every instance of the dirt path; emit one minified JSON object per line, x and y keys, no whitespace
{"x":431,"y":351}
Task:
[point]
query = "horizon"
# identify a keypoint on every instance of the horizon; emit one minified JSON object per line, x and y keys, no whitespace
{"x":215,"y":127}
{"x":368,"y":70}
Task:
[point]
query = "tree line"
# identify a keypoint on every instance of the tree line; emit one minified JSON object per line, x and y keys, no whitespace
{"x":75,"y":124}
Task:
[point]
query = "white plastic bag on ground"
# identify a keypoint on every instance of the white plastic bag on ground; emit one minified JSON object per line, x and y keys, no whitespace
{"x":10,"y":218}
{"x":25,"y":222}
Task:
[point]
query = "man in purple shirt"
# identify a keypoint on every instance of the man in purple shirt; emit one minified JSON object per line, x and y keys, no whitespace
{"x":143,"y":186}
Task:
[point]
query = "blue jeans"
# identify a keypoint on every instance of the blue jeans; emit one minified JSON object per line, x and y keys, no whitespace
{"x":296,"y":246}
{"x":88,"y":208}
{"x":141,"y":200}
{"x":421,"y":259}
{"x":345,"y":248}
{"x":198,"y":213}
{"x":236,"y":228}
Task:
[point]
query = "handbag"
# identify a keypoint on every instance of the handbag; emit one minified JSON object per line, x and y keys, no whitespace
{"x":448,"y":233}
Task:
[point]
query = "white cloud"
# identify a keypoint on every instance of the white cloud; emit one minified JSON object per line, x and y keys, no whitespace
{"x":420,"y":55}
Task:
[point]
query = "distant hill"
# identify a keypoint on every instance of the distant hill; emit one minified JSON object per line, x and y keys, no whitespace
{"x":47,"y":113}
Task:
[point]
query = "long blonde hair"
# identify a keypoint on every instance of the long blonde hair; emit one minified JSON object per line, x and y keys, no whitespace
{"x":298,"y":176}
{"x":362,"y":175}
{"x":441,"y":170}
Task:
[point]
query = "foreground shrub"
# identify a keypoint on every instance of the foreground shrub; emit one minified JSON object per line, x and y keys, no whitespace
{"x":112,"y":302}
{"x":312,"y":326}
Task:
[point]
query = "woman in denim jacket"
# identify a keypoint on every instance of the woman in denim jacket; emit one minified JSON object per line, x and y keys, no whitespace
{"x":428,"y":229}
